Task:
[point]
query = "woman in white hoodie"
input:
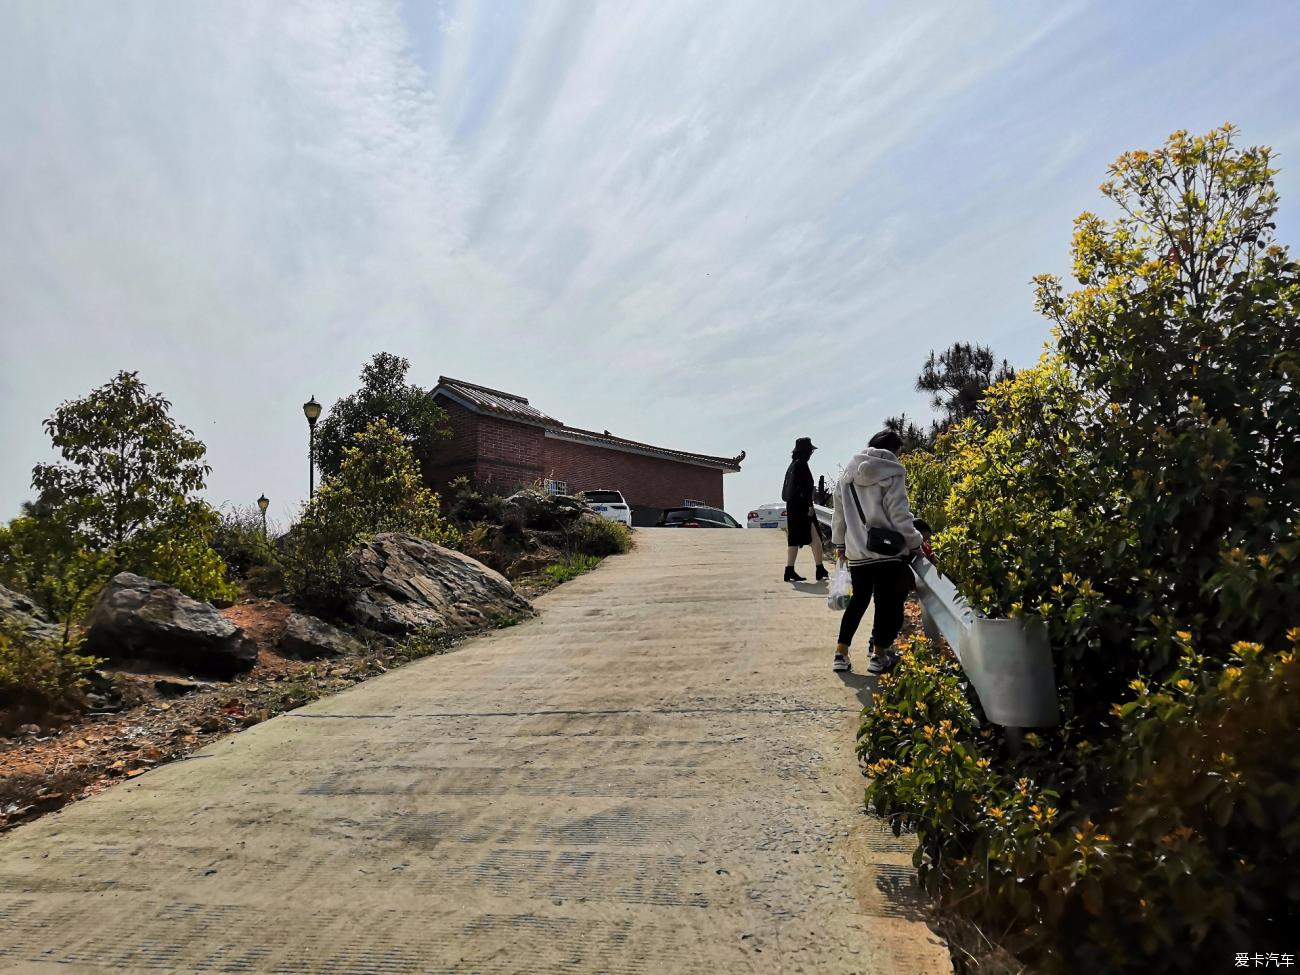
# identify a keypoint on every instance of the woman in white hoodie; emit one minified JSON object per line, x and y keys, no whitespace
{"x":872,"y":494}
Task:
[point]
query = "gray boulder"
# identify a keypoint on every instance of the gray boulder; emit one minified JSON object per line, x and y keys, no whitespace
{"x":308,"y":638}
{"x":20,"y":614}
{"x":401,"y":584}
{"x":137,"y":618}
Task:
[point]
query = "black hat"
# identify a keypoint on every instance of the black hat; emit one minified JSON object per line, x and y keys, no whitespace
{"x":804,"y":443}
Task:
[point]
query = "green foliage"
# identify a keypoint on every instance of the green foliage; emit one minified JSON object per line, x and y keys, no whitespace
{"x":119,"y":500}
{"x":378,"y":489}
{"x":39,"y":557}
{"x":957,"y":379}
{"x":570,"y":567}
{"x":600,"y":537}
{"x":928,"y":485}
{"x":384,"y":395}
{"x":39,"y":671}
{"x":473,"y":504}
{"x":1192,"y":861}
{"x":126,"y":464}
{"x":1140,"y":490}
{"x":240,"y":540}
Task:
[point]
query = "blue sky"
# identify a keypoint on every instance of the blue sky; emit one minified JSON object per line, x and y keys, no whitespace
{"x":715,"y":226}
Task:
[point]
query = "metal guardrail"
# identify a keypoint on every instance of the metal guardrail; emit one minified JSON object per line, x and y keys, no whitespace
{"x":1008,"y":662}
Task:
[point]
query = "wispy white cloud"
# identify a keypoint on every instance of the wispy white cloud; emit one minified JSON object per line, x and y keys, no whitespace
{"x":717,"y":226}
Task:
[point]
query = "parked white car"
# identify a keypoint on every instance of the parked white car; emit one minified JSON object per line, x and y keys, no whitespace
{"x":774,"y":516}
{"x":767,"y":516}
{"x":609,"y":504}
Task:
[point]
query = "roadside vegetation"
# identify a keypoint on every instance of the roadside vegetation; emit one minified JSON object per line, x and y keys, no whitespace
{"x":1139,"y":489}
{"x":125,"y":497}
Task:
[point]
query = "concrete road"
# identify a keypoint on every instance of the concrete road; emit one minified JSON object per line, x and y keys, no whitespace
{"x":656,"y":775}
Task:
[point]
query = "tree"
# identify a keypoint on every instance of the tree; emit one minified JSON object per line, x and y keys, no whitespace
{"x":128,"y":466}
{"x":121,"y":499}
{"x":384,"y":395}
{"x":957,"y":379}
{"x":378,"y":488}
{"x":913,"y":437}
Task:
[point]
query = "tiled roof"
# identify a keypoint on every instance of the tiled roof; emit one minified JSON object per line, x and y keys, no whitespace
{"x":562,"y":432}
{"x":517,"y":408}
{"x":494,"y":401}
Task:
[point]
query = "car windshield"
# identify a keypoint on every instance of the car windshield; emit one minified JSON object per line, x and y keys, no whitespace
{"x":682,"y":515}
{"x":603,"y":497}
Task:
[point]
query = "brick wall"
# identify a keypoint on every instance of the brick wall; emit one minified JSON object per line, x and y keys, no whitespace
{"x":651,"y":482}
{"x":509,"y":454}
{"x":456,"y":457}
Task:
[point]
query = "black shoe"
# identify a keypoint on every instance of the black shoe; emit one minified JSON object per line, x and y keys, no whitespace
{"x":822,"y":573}
{"x":792,"y":576}
{"x":882,"y":663}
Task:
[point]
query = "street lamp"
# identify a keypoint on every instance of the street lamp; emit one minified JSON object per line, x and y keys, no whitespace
{"x":311,"y":410}
{"x":264,"y":502}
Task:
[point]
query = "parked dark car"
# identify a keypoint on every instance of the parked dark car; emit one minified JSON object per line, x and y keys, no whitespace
{"x":693,"y":517}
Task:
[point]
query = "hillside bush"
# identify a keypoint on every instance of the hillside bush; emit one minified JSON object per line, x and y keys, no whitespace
{"x":1140,"y":490}
{"x":37,"y":671}
{"x":378,"y":489}
{"x":600,"y":537}
{"x":241,"y":543}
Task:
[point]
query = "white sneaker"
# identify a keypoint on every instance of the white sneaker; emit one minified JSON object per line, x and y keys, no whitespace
{"x":841,"y":662}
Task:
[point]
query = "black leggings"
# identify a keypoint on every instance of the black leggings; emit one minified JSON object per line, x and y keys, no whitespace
{"x":889,"y":580}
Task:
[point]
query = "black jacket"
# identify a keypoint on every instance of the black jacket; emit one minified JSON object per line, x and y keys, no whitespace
{"x":798,"y":489}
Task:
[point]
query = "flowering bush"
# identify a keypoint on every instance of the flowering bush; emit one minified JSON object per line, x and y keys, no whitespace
{"x":1140,"y":490}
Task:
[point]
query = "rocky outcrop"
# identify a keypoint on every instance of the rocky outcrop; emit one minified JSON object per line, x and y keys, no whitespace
{"x":402,"y":584}
{"x":308,"y":638}
{"x":19,"y":614}
{"x":137,"y":618}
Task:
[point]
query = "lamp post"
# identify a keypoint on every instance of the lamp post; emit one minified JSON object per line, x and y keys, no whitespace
{"x":311,"y":410}
{"x":264,"y":502}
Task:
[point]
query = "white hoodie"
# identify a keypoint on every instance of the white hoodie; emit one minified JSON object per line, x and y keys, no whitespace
{"x":881,"y":484}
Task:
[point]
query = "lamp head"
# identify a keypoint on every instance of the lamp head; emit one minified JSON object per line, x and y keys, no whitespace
{"x":264,"y":502}
{"x":311,"y":410}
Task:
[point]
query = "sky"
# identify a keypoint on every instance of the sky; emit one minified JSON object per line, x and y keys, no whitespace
{"x":715,"y":226}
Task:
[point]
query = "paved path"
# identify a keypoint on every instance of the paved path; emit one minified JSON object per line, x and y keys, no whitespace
{"x":654,"y":776}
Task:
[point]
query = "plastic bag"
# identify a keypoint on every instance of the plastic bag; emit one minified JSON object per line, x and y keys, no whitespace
{"x":841,"y":590}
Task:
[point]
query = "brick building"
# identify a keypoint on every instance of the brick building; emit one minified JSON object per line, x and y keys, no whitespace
{"x":500,"y":438}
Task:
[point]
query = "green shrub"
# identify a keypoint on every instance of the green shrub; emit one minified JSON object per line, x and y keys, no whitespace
{"x":928,"y":485}
{"x":472,"y":504}
{"x":241,"y":543}
{"x":601,"y":537}
{"x":570,"y":567}
{"x":39,"y":671}
{"x":1140,"y":490}
{"x":1193,"y":860}
{"x":377,"y":489}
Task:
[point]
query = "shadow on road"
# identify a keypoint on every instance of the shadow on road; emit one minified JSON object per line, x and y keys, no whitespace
{"x":864,"y":686}
{"x":811,"y":588}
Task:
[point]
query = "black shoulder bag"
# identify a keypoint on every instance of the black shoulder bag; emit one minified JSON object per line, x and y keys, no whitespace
{"x":882,"y":541}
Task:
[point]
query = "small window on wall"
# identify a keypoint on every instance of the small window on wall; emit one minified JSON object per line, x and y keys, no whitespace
{"x":557,"y":487}
{"x":694,"y":504}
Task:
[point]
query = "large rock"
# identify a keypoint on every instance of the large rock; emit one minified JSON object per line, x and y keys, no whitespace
{"x":138,"y":618}
{"x":540,"y":512}
{"x":402,"y":584}
{"x":309,"y":638}
{"x":20,"y":614}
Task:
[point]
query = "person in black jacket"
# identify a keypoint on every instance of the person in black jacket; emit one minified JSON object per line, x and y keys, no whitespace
{"x":800,"y":519}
